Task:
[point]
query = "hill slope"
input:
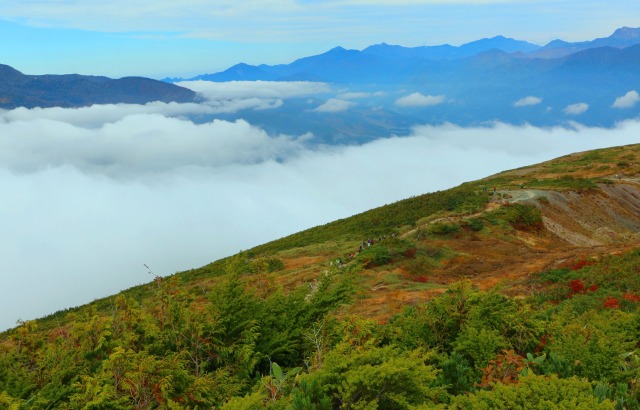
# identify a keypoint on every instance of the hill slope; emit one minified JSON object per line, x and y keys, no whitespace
{"x":464,"y":298}
{"x":73,"y":90}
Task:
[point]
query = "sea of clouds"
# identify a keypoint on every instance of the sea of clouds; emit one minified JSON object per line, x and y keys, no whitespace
{"x":90,"y":195}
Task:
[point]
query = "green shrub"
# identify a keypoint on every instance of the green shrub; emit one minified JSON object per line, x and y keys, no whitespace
{"x":519,"y":216}
{"x":274,"y":265}
{"x":535,"y":392}
{"x":441,"y":228}
{"x":373,"y":256}
{"x":475,"y":224}
{"x":479,"y":346}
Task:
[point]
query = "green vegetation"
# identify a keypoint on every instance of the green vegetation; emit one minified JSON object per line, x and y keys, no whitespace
{"x":564,"y":182}
{"x":571,"y":344}
{"x":230,"y":336}
{"x":518,"y":216}
{"x":386,"y":219}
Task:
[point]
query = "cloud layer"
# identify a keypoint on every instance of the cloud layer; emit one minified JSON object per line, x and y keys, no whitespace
{"x":419,"y":100}
{"x":334,"y":105}
{"x":231,"y":90}
{"x":85,"y":201}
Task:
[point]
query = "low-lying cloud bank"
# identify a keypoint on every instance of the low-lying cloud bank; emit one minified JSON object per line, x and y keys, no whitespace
{"x":86,"y":201}
{"x":136,"y":145}
{"x":255,"y":89}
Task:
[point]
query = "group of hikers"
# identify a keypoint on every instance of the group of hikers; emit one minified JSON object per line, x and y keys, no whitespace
{"x":365,"y":244}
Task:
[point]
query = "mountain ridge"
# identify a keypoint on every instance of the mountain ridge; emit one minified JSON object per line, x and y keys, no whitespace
{"x":392,"y":56}
{"x":75,"y":90}
{"x":535,"y":268}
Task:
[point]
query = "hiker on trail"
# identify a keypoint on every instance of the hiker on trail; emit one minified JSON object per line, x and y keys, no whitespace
{"x":494,"y":190}
{"x":521,"y":186}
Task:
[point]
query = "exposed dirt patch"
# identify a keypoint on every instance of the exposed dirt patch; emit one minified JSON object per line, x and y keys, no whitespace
{"x":577,"y":225}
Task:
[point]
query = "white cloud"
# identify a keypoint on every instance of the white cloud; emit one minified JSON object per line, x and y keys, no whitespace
{"x":229,"y":97}
{"x":575,"y":109}
{"x":74,"y":229}
{"x":96,"y":116}
{"x":527,"y":101}
{"x":254,"y":89}
{"x":419,"y":100}
{"x":135,"y":144}
{"x":334,"y":105}
{"x":628,"y":100}
{"x":353,"y":95}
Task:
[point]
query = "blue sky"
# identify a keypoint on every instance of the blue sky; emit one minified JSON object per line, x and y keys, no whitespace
{"x":159,"y":38}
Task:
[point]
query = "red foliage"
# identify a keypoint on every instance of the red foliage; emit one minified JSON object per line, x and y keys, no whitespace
{"x":504,"y":369}
{"x":421,"y":278}
{"x":410,"y":253}
{"x":631,"y":297}
{"x":611,"y":303}
{"x":581,"y":264}
{"x":577,"y":286}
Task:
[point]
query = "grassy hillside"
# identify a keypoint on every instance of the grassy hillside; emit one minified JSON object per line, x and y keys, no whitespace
{"x":518,"y":288}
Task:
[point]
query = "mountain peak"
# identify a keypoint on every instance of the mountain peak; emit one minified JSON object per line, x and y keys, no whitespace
{"x":626,"y":33}
{"x":8,"y":72}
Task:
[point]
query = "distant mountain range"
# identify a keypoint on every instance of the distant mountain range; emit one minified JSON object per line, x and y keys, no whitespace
{"x":478,"y":83}
{"x":495,"y":79}
{"x":392,"y":64}
{"x":20,"y":90}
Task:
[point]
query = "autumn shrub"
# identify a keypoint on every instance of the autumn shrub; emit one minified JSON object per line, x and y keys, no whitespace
{"x":577,"y":286}
{"x":611,"y":303}
{"x":410,"y":253}
{"x":581,"y":263}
